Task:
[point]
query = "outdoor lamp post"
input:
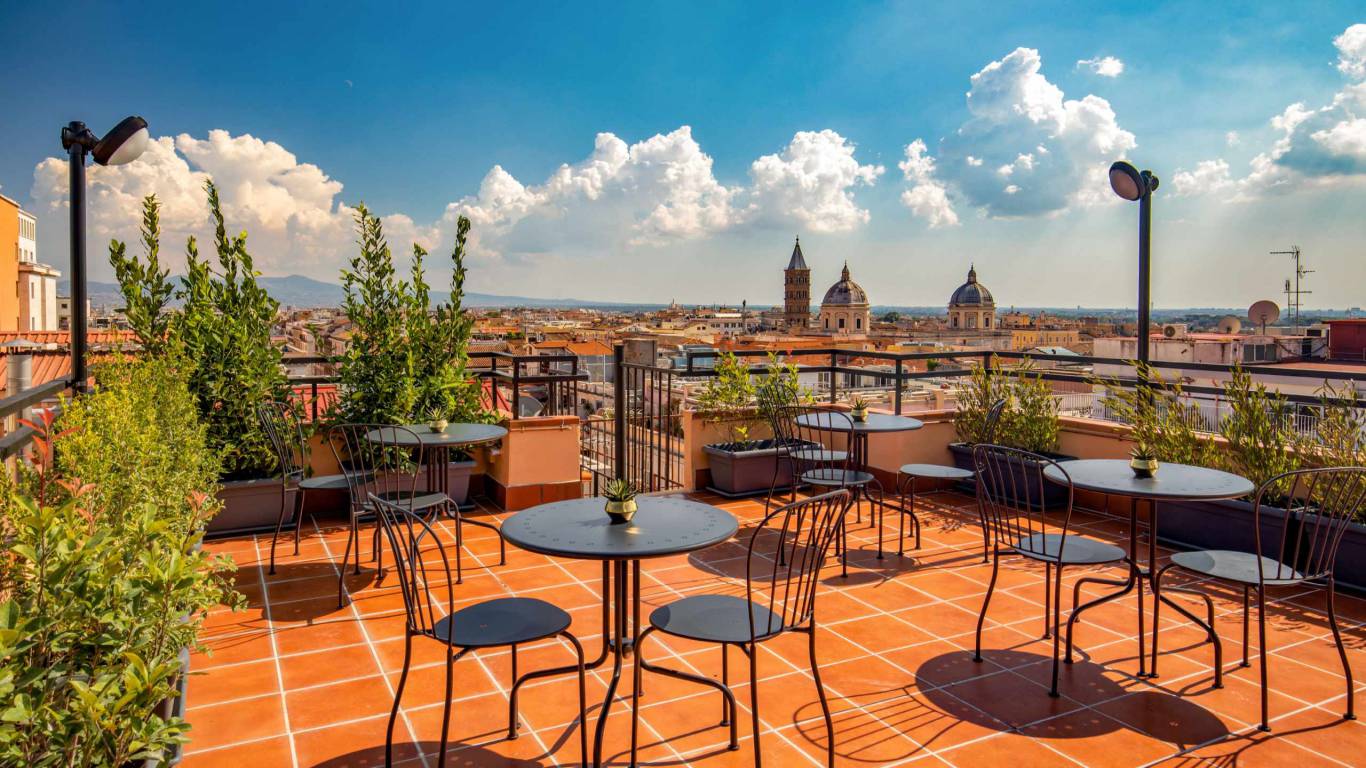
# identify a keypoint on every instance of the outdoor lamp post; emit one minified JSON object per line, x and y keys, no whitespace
{"x":124,"y":144}
{"x":1131,"y":184}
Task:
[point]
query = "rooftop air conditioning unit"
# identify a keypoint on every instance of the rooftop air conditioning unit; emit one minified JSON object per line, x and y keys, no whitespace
{"x":1175,"y":330}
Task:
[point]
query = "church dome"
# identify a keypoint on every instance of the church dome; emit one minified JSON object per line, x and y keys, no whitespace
{"x":845,"y":293}
{"x":972,"y":293}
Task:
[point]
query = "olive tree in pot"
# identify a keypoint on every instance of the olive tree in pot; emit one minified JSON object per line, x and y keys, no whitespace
{"x":1340,"y":441}
{"x":1028,"y":421}
{"x":222,"y":333}
{"x":743,"y":466}
{"x":407,"y":361}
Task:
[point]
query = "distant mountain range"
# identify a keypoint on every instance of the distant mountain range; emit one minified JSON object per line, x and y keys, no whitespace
{"x":300,"y":291}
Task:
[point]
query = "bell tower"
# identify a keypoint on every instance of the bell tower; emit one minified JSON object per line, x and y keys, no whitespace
{"x":797,"y":291}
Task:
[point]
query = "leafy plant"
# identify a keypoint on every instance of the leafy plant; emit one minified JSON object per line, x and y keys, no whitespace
{"x":974,"y":402}
{"x":619,"y":490}
{"x":1340,"y":434}
{"x":1163,"y":424}
{"x":1033,"y":414}
{"x":728,"y":396}
{"x":145,"y":286}
{"x":1261,"y":442}
{"x":405,"y":358}
{"x":104,"y":585}
{"x":225,"y":330}
{"x":778,"y":388}
{"x":859,"y":404}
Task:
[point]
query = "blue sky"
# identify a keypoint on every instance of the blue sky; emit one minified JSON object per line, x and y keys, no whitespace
{"x":722,"y":131}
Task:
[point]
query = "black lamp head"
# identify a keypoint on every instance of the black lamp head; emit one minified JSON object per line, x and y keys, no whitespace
{"x":1127,"y":182}
{"x":124,"y":144}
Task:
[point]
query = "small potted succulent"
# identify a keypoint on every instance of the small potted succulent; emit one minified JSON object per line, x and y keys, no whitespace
{"x":859,"y":410}
{"x":1143,"y":463}
{"x":621,"y":501}
{"x":436,"y":420}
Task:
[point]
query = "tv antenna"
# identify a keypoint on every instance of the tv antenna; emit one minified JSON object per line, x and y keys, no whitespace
{"x":1294,"y":292}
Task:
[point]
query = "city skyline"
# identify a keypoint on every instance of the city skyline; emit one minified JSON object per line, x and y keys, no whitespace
{"x":899,"y":139}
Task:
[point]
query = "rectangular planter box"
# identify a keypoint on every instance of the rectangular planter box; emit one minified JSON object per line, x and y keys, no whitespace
{"x":1054,"y":495}
{"x":1350,"y":568}
{"x":746,"y":472}
{"x":250,"y":506}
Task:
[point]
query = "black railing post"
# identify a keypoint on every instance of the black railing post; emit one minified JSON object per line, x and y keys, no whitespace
{"x":834,"y":387}
{"x":313,"y":392}
{"x":619,"y":413}
{"x":514,"y":398}
{"x":898,"y":386}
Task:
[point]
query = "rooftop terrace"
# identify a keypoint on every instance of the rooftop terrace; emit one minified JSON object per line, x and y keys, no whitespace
{"x":292,"y":680}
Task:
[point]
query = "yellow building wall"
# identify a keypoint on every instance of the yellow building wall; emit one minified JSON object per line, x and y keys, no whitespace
{"x":9,"y":265}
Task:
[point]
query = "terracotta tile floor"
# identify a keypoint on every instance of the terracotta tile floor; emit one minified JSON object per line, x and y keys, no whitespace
{"x":293,"y":681}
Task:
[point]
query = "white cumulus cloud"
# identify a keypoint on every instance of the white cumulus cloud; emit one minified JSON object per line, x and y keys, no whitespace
{"x":1055,"y":151}
{"x":1317,"y":147}
{"x":622,"y":196}
{"x":1105,"y":66}
{"x":926,"y":196}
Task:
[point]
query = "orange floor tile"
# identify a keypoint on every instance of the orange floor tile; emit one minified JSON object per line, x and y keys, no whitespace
{"x":294,"y":681}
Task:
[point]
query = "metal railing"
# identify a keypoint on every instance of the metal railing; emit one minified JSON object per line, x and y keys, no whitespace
{"x":12,"y":407}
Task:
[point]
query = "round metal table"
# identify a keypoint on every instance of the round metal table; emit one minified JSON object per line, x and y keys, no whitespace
{"x":579,"y":529}
{"x":876,"y":423}
{"x":437,"y":445}
{"x":1172,"y":482}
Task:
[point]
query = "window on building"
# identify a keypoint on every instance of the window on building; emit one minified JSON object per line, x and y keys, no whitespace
{"x":841,"y":321}
{"x":986,"y":321}
{"x":1256,"y":353}
{"x":858,"y":323}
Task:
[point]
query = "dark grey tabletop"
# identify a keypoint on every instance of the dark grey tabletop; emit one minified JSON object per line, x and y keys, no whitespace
{"x":1173,"y":481}
{"x":877,"y":422}
{"x":453,"y":436}
{"x":579,"y":529}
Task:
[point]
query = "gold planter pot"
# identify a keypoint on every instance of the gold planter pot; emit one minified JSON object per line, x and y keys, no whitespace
{"x":621,"y":511}
{"x":1143,"y":468}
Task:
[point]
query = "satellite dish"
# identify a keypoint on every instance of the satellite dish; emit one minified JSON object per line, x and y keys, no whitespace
{"x":1231,"y":324}
{"x":1263,"y":312}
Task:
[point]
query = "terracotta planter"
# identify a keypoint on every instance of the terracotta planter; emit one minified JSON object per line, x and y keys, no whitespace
{"x":746,"y":469}
{"x":1054,"y":495}
{"x":250,"y":506}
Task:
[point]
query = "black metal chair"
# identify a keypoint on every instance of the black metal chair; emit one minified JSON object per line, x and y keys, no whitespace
{"x":388,"y":468}
{"x":421,"y":564}
{"x":1005,"y":474}
{"x":989,"y":427}
{"x":808,"y":528}
{"x":282,"y":425}
{"x":828,"y":467}
{"x":906,"y":478}
{"x":1320,"y":505}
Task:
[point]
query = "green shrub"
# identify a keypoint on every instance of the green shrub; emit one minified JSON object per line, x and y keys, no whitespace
{"x":104,"y":582}
{"x":406,"y":359}
{"x":223,"y":332}
{"x":1164,"y":425}
{"x":1029,"y":420}
{"x":728,"y":397}
{"x":1261,"y":441}
{"x":975,"y":400}
{"x":137,"y":435}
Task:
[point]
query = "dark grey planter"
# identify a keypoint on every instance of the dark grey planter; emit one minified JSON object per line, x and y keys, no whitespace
{"x":458,"y":475}
{"x":1220,"y":525}
{"x":1054,"y":495}
{"x":1350,"y":568}
{"x":746,"y":469}
{"x":250,"y":506}
{"x":172,"y":707}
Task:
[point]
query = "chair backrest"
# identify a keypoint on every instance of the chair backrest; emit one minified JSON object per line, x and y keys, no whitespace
{"x":780,"y":417}
{"x":420,"y":562}
{"x":1010,"y":495}
{"x":993,"y":420}
{"x":821,"y":433}
{"x":377,"y":459}
{"x":1319,"y":505}
{"x":282,"y":425}
{"x":805,"y":530}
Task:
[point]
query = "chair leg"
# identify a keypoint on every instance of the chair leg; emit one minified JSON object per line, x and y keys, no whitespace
{"x":446,"y":707}
{"x":1157,"y":617}
{"x":1057,"y":617}
{"x":991,"y":585}
{"x":726,"y":714}
{"x":1246,"y":589}
{"x":825,"y":705}
{"x":512,"y":698}
{"x":1342,"y":653}
{"x":1261,"y":652}
{"x":583,"y":700}
{"x":459,"y":548}
{"x":298,"y":517}
{"x":754,"y":701}
{"x":398,"y":695}
{"x":1047,"y":597}
{"x":279,"y":523}
{"x":637,"y":672}
{"x":844,"y":548}
{"x":346,"y":558}
{"x":901,"y":516}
